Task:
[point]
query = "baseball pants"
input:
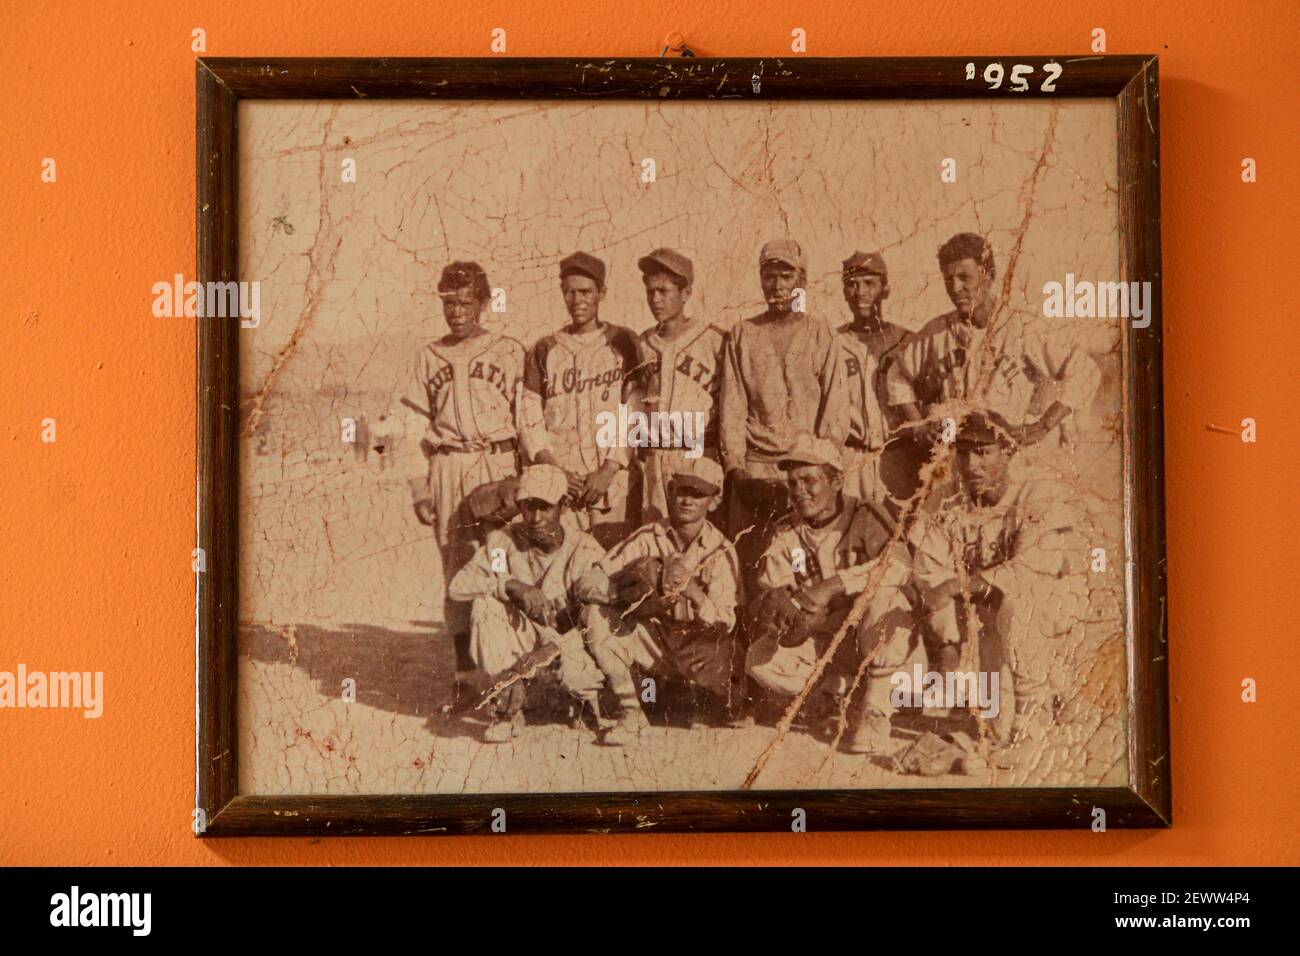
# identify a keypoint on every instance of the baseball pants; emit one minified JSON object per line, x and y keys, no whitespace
{"x":888,"y":642}
{"x":1021,"y":638}
{"x":608,"y":519}
{"x":701,"y":655}
{"x":500,"y":635}
{"x":862,"y":475}
{"x":750,"y":523}
{"x":452,"y":476}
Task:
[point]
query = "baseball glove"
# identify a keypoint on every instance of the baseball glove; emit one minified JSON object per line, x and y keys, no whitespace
{"x":494,"y":502}
{"x":776,"y":616}
{"x":638,"y":581}
{"x":638,"y":588}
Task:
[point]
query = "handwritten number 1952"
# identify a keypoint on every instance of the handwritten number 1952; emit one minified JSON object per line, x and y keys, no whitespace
{"x":994,"y":74}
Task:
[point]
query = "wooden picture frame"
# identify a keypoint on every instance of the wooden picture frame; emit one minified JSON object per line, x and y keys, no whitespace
{"x":1131,"y":80}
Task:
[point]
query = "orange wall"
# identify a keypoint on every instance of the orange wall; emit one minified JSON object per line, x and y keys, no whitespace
{"x":96,"y":529}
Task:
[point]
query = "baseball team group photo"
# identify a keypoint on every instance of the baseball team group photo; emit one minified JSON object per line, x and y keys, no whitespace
{"x":769,"y":471}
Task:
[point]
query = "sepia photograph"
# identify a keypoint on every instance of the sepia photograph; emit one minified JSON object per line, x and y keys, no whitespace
{"x":669,"y":447}
{"x":681,"y":446}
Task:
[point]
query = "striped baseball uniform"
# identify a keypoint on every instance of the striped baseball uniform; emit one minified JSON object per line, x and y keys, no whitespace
{"x":1030,"y":546}
{"x":464,"y":394}
{"x":568,"y":381}
{"x":851,"y":546}
{"x":871,"y":417}
{"x":679,"y":376}
{"x":501,"y":634}
{"x":1014,"y":367}
{"x":463,"y":399}
{"x":696,"y":643}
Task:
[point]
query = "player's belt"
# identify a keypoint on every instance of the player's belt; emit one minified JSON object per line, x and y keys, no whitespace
{"x":493,"y":448}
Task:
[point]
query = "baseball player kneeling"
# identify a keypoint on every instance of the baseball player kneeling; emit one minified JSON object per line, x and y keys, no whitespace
{"x":1007,"y":546}
{"x":520,"y":583}
{"x":823,"y":554}
{"x":665,"y":600}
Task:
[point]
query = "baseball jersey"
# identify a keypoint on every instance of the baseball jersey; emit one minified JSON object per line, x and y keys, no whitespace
{"x":870,"y":415}
{"x":1031,"y":535}
{"x":801,"y":555}
{"x":555,"y":573}
{"x":771,"y":394}
{"x":568,"y":381}
{"x":1012,"y":366}
{"x":710,"y":557}
{"x":463,"y":395}
{"x":683,"y":374}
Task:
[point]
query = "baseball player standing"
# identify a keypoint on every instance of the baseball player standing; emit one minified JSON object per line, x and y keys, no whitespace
{"x":462,"y":393}
{"x":520,"y":589}
{"x":781,"y":378}
{"x":570,"y":378}
{"x":679,"y":362}
{"x":865,"y":341}
{"x":975,"y":357}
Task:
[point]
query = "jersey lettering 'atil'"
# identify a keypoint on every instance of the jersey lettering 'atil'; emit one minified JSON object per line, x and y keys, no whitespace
{"x":1013,"y":366}
{"x":682,"y":375}
{"x":462,"y":394}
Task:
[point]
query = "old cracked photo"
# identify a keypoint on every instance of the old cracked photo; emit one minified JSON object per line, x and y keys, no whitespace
{"x":596,"y":446}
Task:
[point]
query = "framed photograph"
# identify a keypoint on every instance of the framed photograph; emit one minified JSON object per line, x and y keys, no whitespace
{"x":643,"y":445}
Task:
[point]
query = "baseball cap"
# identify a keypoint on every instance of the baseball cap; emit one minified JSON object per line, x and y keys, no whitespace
{"x":781,"y":250}
{"x":544,"y":482}
{"x":702,"y":473}
{"x":869,"y":263}
{"x":583,"y":263}
{"x":984,"y":428}
{"x":810,"y":450}
{"x":668,"y":260}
